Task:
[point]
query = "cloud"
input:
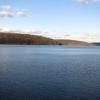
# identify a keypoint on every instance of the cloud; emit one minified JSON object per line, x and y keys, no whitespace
{"x":8,"y":11}
{"x":6,"y":7}
{"x":87,"y":1}
{"x":20,"y":14}
{"x":4,"y":29}
{"x":5,"y":13}
{"x":88,"y":37}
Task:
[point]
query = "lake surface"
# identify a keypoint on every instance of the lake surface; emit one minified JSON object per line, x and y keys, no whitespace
{"x":49,"y":72}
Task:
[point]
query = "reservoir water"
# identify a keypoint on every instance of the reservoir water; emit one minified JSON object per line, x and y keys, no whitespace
{"x":29,"y":72}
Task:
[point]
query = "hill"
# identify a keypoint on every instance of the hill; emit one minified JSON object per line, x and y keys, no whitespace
{"x":16,"y":38}
{"x":74,"y":42}
{"x":97,"y":43}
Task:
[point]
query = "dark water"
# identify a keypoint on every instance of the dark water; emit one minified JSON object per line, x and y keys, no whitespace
{"x":49,"y":73}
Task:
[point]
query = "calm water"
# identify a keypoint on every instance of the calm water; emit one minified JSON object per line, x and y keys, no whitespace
{"x":49,"y":72}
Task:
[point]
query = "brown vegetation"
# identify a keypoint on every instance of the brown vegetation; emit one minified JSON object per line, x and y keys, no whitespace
{"x":12,"y":38}
{"x":74,"y":42}
{"x":15,"y":38}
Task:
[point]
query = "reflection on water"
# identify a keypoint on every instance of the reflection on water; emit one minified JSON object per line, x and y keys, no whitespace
{"x":49,"y":72}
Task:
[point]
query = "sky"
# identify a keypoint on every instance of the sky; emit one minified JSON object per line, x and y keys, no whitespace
{"x":68,"y":19}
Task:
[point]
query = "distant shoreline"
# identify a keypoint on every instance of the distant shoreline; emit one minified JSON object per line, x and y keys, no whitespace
{"x":26,"y":39}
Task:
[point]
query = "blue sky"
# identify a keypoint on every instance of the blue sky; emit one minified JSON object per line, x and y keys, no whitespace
{"x":66,"y":16}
